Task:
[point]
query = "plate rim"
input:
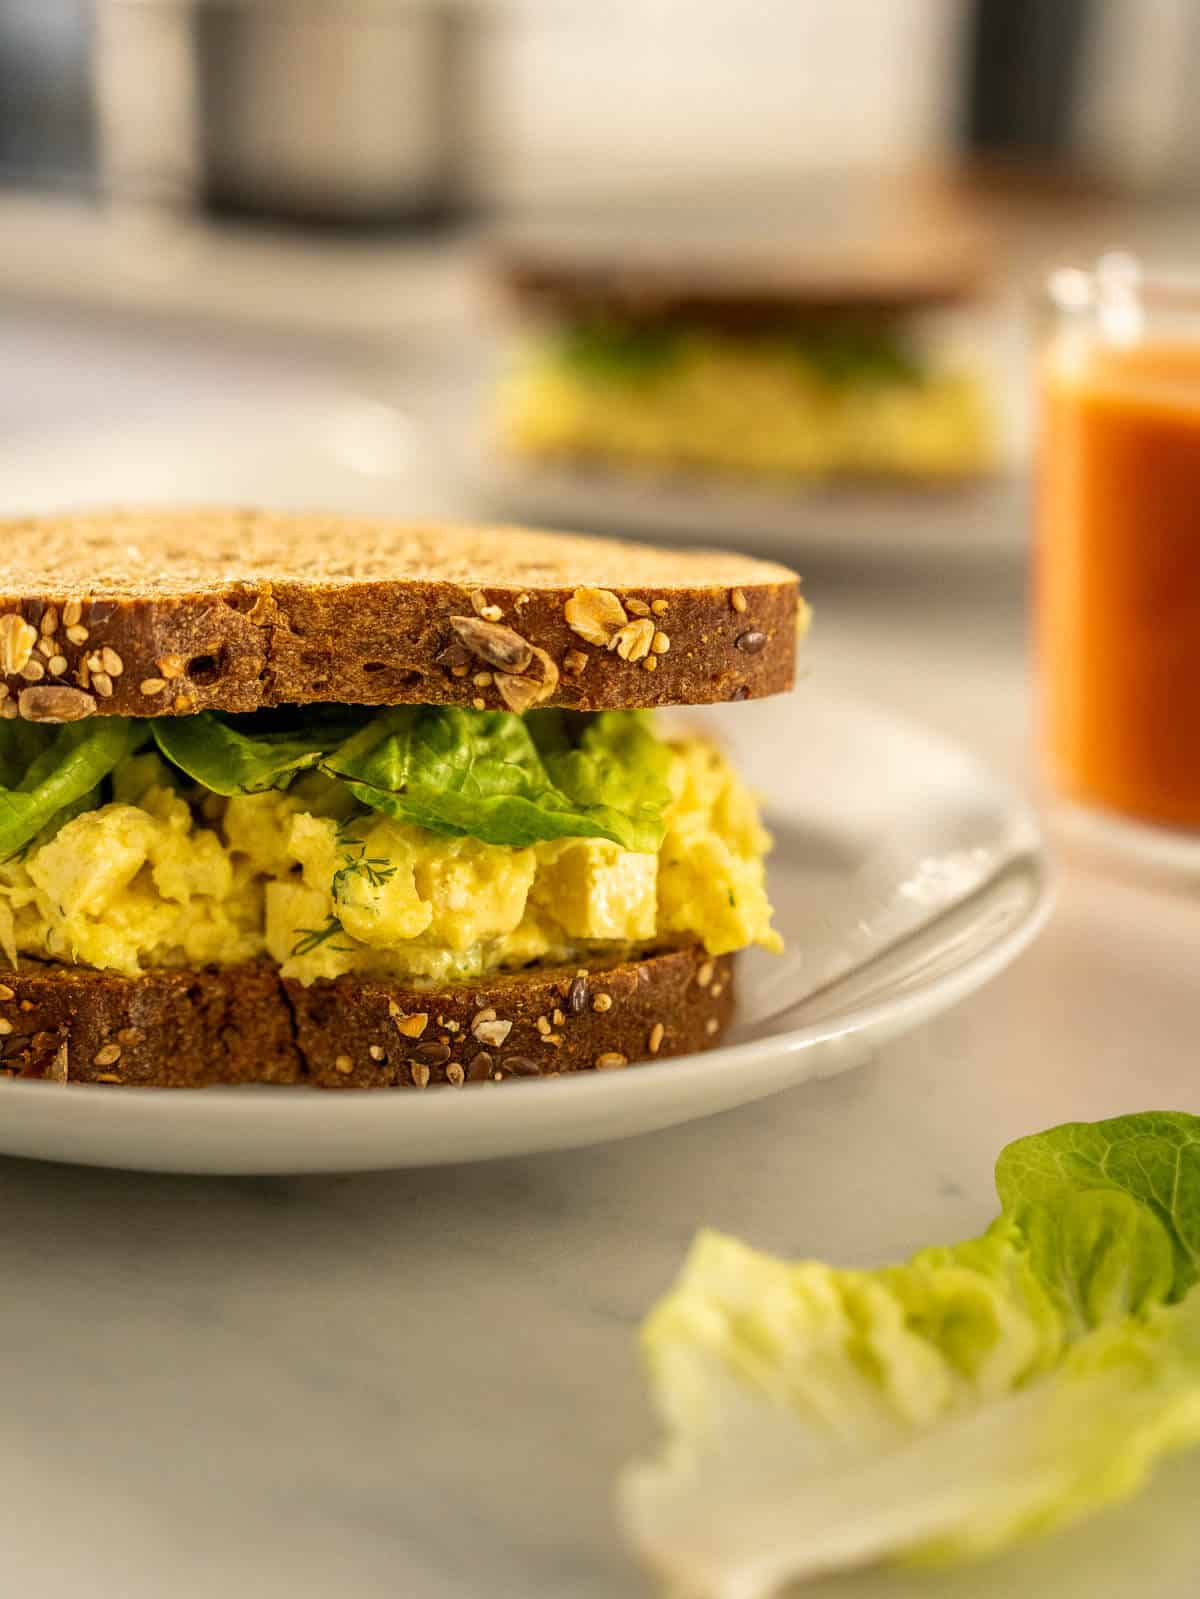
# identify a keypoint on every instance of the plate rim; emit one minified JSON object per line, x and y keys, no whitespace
{"x":825,"y":518}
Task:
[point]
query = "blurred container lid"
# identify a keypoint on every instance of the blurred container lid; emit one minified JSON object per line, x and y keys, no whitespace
{"x":319,"y":110}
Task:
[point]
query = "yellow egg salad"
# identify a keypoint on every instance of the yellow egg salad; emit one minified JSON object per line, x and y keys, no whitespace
{"x":789,"y":404}
{"x":618,"y":840}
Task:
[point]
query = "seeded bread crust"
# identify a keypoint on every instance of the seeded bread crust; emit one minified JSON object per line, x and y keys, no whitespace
{"x":161,"y":613}
{"x":245,"y":1024}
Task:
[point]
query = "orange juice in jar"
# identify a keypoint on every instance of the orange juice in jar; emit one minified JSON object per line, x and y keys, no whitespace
{"x":1117,"y":584}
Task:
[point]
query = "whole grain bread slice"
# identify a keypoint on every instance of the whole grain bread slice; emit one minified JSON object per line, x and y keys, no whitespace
{"x":169,"y":612}
{"x":247,"y":1024}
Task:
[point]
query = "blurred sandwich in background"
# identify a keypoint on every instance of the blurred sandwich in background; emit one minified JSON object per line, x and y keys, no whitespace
{"x":673,"y":349}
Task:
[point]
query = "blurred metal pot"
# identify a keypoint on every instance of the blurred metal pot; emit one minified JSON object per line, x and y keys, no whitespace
{"x":322,"y":110}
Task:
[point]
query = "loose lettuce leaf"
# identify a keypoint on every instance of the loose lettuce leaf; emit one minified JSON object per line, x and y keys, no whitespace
{"x":248,"y":754}
{"x":1100,"y":1255}
{"x":485,"y":774}
{"x":938,"y":1410}
{"x":1154,"y":1158}
{"x":55,"y":771}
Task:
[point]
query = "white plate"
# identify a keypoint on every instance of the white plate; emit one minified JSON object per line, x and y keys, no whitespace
{"x":967,"y":522}
{"x":904,"y":877}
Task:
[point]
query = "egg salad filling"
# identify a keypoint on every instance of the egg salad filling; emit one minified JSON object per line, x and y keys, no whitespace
{"x":428,"y":844}
{"x":795,"y":403}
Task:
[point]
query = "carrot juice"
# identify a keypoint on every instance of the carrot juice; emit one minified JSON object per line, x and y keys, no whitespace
{"x":1118,"y":574}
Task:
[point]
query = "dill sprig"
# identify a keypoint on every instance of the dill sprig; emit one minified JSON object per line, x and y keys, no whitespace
{"x":313,"y":937}
{"x":376,"y":869}
{"x":355,"y":862}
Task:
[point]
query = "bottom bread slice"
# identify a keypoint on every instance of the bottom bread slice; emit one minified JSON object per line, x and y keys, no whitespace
{"x":247,"y":1024}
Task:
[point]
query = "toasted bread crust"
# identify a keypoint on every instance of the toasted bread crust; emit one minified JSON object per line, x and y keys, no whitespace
{"x":165,"y":613}
{"x":246,"y":1024}
{"x":739,"y":285}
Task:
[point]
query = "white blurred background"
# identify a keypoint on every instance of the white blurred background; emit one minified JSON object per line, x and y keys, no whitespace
{"x":568,"y":94}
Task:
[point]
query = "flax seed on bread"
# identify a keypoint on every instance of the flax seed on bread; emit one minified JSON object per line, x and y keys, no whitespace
{"x":160,"y":612}
{"x":246,"y":1024}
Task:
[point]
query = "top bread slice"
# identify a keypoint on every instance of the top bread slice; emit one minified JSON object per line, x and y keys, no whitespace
{"x":640,"y":274}
{"x":169,"y":612}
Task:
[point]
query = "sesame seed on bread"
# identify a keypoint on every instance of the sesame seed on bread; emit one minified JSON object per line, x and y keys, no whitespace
{"x":247,"y":1024}
{"x":167,"y":612}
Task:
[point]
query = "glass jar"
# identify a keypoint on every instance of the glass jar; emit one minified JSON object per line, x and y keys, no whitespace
{"x":1117,"y":585}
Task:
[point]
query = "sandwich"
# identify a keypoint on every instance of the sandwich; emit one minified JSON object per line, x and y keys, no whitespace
{"x":776,"y":364}
{"x":310,"y":799}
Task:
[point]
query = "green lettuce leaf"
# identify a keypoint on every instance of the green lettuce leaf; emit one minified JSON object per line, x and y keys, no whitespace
{"x":492,"y":775}
{"x":853,"y":354}
{"x":248,"y":754}
{"x":21,"y":743}
{"x":938,"y":1410}
{"x":1153,"y":1158}
{"x":601,"y":350}
{"x":845,"y":354}
{"x":53,"y":771}
{"x":614,"y":761}
{"x":488,"y":774}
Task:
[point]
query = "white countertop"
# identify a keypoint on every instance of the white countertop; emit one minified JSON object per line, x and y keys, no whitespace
{"x":423,"y":1383}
